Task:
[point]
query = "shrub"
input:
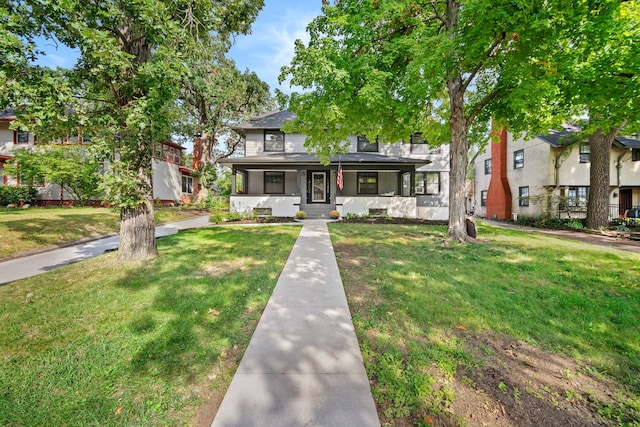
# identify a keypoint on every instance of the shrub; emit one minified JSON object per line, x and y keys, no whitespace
{"x":216,"y":218}
{"x":235,"y":216}
{"x":334,"y":214}
{"x":17,"y":195}
{"x":301,"y":215}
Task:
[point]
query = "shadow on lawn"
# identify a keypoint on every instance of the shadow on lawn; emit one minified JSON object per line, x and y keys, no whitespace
{"x":562,"y":295}
{"x":197,"y":315}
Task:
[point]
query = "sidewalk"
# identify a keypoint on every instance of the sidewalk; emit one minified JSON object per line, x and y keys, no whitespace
{"x":303,"y":366}
{"x":32,"y":265}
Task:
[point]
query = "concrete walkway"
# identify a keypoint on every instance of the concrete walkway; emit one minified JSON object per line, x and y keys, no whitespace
{"x":303,"y":366}
{"x":32,"y":265}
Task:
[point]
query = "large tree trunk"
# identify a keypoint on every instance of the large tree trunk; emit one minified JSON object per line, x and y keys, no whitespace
{"x":458,"y":159}
{"x":599,"y":176}
{"x":137,"y":233}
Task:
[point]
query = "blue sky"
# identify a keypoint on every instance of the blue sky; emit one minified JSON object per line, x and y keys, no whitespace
{"x":265,"y":50}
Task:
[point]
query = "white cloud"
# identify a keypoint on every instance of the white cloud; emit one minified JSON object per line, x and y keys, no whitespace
{"x":271,"y":44}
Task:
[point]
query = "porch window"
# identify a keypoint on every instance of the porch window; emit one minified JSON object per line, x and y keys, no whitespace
{"x":20,"y":137}
{"x":367,"y":182}
{"x":487,"y":167}
{"x":635,"y":154}
{"x":241,"y":182}
{"x":187,"y":184}
{"x":483,"y":198}
{"x":518,"y":159}
{"x":585,"y":153}
{"x":365,"y":146}
{"x":273,"y":140}
{"x":274,"y":183}
{"x":523,"y":196}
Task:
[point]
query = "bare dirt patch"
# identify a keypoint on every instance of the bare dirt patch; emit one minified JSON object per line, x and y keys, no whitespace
{"x":517,"y":384}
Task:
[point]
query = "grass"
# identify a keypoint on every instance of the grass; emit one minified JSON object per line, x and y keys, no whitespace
{"x":411,"y":295}
{"x":30,"y":229}
{"x":147,"y":343}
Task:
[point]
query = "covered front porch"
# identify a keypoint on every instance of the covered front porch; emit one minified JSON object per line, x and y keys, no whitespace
{"x":282,"y":184}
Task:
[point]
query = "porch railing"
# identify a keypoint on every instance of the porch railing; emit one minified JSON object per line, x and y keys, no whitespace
{"x":621,"y":211}
{"x":616,"y":212}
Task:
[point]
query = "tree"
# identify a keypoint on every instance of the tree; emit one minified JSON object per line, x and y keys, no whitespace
{"x":72,"y":167}
{"x":131,"y":62}
{"x":392,"y":68}
{"x":214,"y":96}
{"x":600,"y":78}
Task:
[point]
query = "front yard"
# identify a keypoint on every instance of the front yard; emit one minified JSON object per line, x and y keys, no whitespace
{"x":521,"y":329}
{"x":24,"y":230}
{"x":149,"y":343}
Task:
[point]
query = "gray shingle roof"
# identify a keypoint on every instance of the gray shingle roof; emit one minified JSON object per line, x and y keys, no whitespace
{"x":272,"y":120}
{"x":8,"y":114}
{"x":305,"y":158}
{"x":568,"y":135}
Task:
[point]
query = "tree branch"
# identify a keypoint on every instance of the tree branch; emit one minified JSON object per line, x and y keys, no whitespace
{"x":478,"y":108}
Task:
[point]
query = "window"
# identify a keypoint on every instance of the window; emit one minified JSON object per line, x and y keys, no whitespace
{"x":433,"y":183}
{"x":419,"y":182}
{"x":585,"y":153}
{"x":487,"y":167}
{"x":274,"y":182}
{"x":365,"y":146}
{"x":21,"y":137}
{"x":367,"y":183}
{"x":578,"y":196}
{"x":273,"y":140}
{"x":418,"y":144}
{"x":635,"y":154}
{"x":523,"y":196}
{"x":241,"y":182}
{"x":187,"y":184}
{"x":518,"y":159}
{"x":483,"y":198}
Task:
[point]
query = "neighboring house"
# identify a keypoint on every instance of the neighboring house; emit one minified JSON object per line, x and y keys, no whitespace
{"x":172,"y":182}
{"x":276,"y":176}
{"x":549,"y":175}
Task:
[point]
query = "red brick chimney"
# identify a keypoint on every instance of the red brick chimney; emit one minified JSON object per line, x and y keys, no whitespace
{"x":499,"y":194}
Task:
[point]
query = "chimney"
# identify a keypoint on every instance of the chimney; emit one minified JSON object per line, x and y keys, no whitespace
{"x":499,"y":193}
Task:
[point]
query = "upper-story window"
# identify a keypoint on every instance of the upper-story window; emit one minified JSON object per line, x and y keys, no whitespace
{"x":273,"y":140}
{"x":487,"y":167}
{"x":366,"y":146}
{"x":168,"y":153}
{"x":518,"y":159}
{"x":635,"y":154}
{"x":20,"y":137}
{"x":585,"y":153}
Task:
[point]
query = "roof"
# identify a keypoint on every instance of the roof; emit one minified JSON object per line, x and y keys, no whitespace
{"x":272,"y":120}
{"x":563,"y":137}
{"x":305,"y":158}
{"x":568,"y":135}
{"x":627,"y":141}
{"x":7,"y":115}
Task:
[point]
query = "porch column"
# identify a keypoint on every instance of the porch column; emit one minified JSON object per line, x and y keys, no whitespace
{"x":233,"y":181}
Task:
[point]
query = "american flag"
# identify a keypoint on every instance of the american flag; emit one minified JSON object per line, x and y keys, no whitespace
{"x":339,"y":181}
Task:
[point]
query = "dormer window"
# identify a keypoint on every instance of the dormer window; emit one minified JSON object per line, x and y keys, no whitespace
{"x":273,"y":140}
{"x":365,"y":146}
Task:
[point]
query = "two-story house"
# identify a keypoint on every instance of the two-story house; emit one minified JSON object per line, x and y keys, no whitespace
{"x":549,"y":175}
{"x":276,"y":175}
{"x":172,"y":181}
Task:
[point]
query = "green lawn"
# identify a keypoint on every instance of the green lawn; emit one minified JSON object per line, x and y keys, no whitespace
{"x":147,"y":343}
{"x":29,"y":229}
{"x":418,"y":303}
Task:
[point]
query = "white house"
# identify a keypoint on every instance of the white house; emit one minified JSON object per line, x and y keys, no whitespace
{"x":276,"y":175}
{"x":172,"y":181}
{"x":549,"y":175}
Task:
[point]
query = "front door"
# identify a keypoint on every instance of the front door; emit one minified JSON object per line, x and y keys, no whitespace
{"x":317,"y":187}
{"x":625,"y":201}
